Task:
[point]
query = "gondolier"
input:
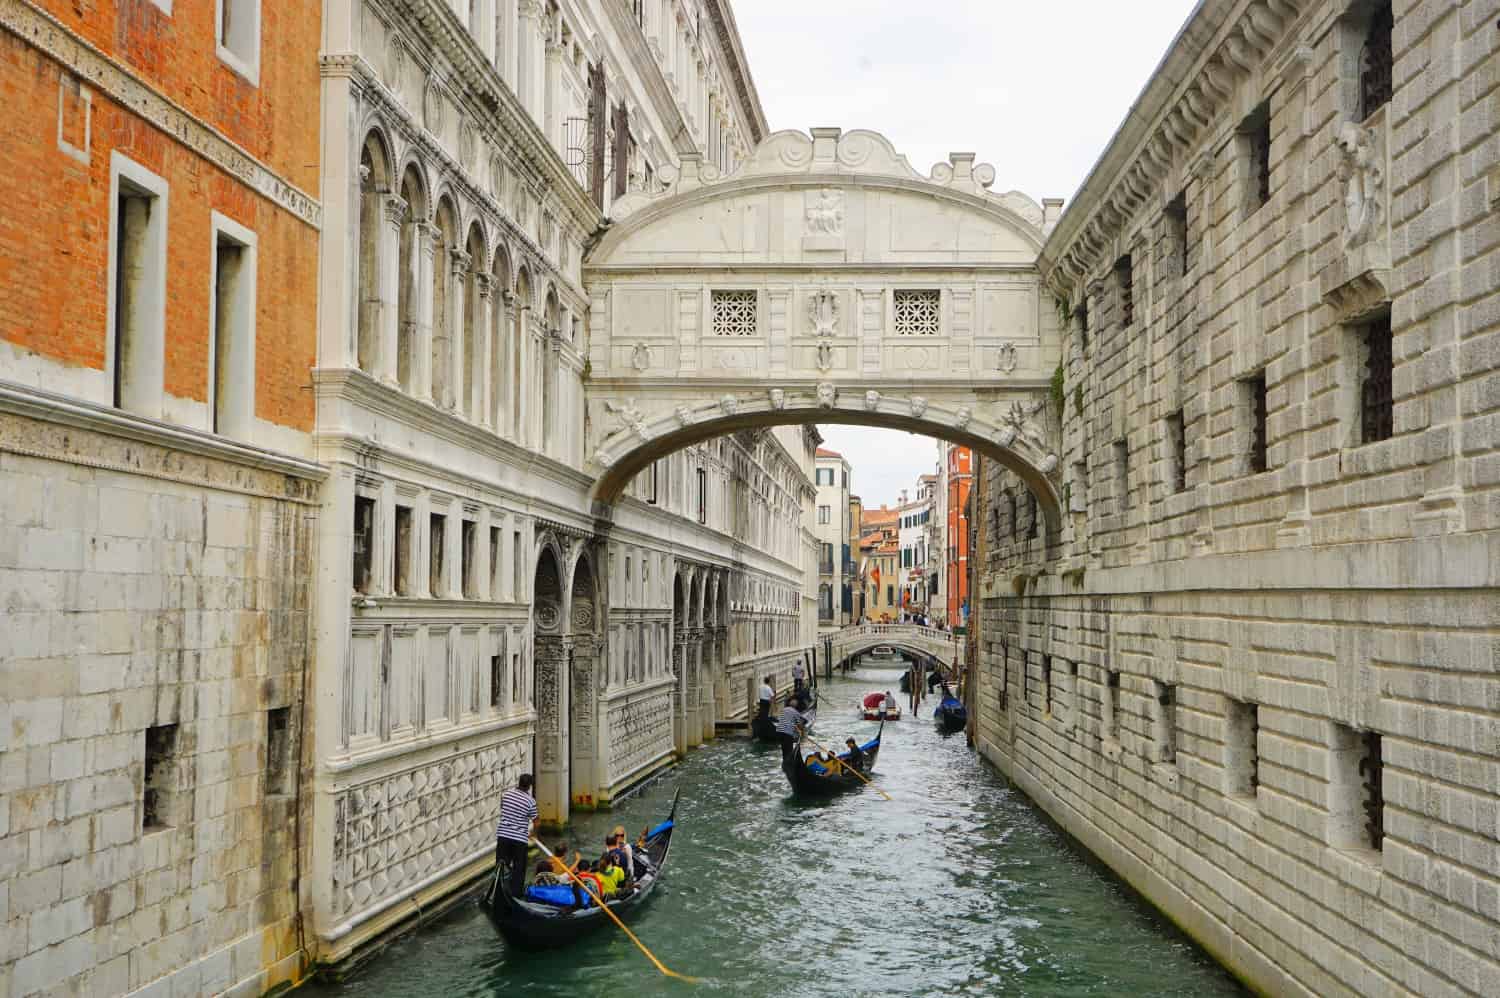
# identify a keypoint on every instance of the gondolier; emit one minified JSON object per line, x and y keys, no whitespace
{"x":799,"y":676}
{"x":767,"y":694}
{"x":789,"y":728}
{"x":513,"y":833}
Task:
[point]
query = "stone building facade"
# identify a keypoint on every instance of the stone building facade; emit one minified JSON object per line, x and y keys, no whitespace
{"x":158,"y":501}
{"x":1253,"y":669}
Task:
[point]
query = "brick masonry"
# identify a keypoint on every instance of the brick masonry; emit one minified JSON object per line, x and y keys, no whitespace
{"x":1351,"y":588}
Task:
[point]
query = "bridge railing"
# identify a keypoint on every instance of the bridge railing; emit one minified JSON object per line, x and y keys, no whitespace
{"x":861,"y":632}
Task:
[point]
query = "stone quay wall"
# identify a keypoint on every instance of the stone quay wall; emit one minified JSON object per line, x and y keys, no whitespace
{"x":1255,"y":668}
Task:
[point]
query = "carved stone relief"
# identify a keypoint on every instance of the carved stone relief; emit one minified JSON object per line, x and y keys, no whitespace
{"x":432,"y":106}
{"x":1362,"y":172}
{"x":827,"y":395}
{"x":823,"y":313}
{"x":640,"y":357}
{"x":1007,"y":358}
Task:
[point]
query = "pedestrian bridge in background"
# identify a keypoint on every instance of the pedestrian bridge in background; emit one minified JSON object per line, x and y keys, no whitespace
{"x":823,"y":281}
{"x":858,"y":639}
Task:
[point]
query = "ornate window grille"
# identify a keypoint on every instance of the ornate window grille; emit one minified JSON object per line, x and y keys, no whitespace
{"x":1125,"y":277}
{"x":918,"y":313}
{"x":734,"y":313}
{"x":1376,"y":402}
{"x":1375,"y":63}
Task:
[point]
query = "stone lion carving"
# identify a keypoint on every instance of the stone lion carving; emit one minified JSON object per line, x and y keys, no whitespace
{"x":872,"y":400}
{"x":778,"y":398}
{"x":1363,"y":176}
{"x":827,"y":395}
{"x":825,"y":214}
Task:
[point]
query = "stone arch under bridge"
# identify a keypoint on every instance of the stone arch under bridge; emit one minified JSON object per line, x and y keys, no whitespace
{"x":824,"y":281}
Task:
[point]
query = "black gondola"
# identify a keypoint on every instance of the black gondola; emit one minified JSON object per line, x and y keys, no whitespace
{"x":950,"y":715}
{"x":763,"y":729}
{"x":532,"y":925}
{"x":807,"y":782}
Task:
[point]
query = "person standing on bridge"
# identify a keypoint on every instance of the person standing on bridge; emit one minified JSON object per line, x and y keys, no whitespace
{"x":513,"y":833}
{"x":789,"y":726}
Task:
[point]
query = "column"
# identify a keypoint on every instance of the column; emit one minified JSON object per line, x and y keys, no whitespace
{"x":693,"y":657}
{"x":483,"y":570}
{"x":481,"y":407}
{"x":552,"y":89}
{"x":484,"y":29}
{"x":426,"y":240}
{"x":507,"y":30}
{"x":524,"y":398}
{"x":508,"y":556}
{"x":453,"y":560}
{"x":552,"y":686}
{"x":504,"y":376}
{"x":388,"y":282}
{"x":679,"y":703}
{"x":458,"y":269}
{"x":583,"y":722}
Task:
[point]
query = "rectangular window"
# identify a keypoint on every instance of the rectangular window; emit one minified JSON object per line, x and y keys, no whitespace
{"x":890,"y":595}
{"x":494,"y":563}
{"x":232,"y":329}
{"x":279,"y":766}
{"x":401,"y":557}
{"x":824,"y":513}
{"x":1177,"y":233}
{"x":1253,"y":405}
{"x":437,"y":546}
{"x":160,"y":778}
{"x":1122,"y":475}
{"x":239,"y":36}
{"x":497,"y":678}
{"x":1255,"y":142}
{"x":651,"y":484}
{"x":1047,"y":684}
{"x":1241,"y":748}
{"x":846,"y":479}
{"x":702,"y":496}
{"x":1112,"y":706}
{"x":1375,"y":62}
{"x":733,"y":313}
{"x":1164,"y":720}
{"x":468,"y":540}
{"x":518,"y":567}
{"x":364,"y":543}
{"x":138,"y":287}
{"x":918,"y":313}
{"x":1177,"y":452}
{"x":1376,"y":406}
{"x":1356,"y":794}
{"x":1125,"y":284}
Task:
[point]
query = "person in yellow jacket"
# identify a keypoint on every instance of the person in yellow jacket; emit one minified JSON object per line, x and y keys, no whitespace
{"x":610,"y":875}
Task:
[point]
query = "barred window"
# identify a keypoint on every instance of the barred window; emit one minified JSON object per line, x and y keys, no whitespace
{"x":1375,"y":397}
{"x":1125,"y":280}
{"x":1255,"y":133}
{"x":917,"y":313}
{"x":1375,"y":63}
{"x":734,"y":313}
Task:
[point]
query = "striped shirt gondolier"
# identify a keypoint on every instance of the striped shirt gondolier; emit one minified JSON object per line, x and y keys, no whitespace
{"x":517,"y":812}
{"x":787,"y":723}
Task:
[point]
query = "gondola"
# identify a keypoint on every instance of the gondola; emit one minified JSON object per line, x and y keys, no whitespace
{"x":764,"y":729}
{"x":871,"y":707}
{"x":534,"y":926}
{"x":951,"y":715}
{"x":808,"y":783}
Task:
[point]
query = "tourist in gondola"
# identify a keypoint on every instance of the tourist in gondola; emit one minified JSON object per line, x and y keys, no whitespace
{"x":623,"y":852}
{"x":789,"y":727}
{"x":513,"y":833}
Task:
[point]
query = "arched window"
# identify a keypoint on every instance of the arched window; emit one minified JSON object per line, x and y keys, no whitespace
{"x":409,"y":266}
{"x":374,"y":184}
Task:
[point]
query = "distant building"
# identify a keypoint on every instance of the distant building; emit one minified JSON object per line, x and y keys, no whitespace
{"x":831,"y":527}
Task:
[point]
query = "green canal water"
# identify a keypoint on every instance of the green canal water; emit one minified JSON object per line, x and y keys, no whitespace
{"x":958,"y":887}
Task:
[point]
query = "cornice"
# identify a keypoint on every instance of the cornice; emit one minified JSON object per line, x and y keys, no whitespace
{"x":1222,"y":43}
{"x":496,"y":104}
{"x":395,"y":115}
{"x":120,"y":83}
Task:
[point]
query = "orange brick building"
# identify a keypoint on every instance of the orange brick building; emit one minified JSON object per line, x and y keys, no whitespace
{"x":158,"y":268}
{"x":960,"y":480}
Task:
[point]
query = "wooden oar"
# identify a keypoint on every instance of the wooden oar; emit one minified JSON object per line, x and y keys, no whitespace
{"x":616,"y":918}
{"x":846,"y":766}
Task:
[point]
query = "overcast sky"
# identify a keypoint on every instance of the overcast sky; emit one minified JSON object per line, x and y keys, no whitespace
{"x":1037,"y":89}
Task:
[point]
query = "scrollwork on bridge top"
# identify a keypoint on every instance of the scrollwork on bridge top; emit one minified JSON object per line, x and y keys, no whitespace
{"x":832,"y":151}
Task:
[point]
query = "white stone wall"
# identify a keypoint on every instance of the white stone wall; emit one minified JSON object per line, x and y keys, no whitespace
{"x":143,"y":588}
{"x":1349,"y":590}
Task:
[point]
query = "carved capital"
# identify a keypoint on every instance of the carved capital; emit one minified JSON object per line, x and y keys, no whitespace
{"x":395,"y":210}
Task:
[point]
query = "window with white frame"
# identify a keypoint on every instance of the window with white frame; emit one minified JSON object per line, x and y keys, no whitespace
{"x":238,"y":43}
{"x":138,"y":287}
{"x":232,"y":329}
{"x":918,"y":313}
{"x":734,"y":313}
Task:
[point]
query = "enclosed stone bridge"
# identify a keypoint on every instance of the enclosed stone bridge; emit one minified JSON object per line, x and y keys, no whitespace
{"x":824,"y":281}
{"x":924,"y":642}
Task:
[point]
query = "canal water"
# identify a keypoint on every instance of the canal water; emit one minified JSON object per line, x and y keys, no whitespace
{"x":956,"y":887}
